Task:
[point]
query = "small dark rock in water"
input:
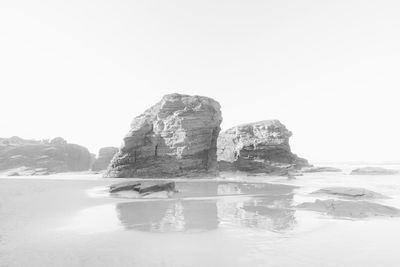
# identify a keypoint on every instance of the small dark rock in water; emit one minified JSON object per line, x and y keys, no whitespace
{"x":373,"y":171}
{"x":132,"y":186}
{"x":350,"y":209}
{"x":124,"y":187}
{"x":259,"y":147}
{"x":350,"y":192}
{"x":169,"y":187}
{"x":320,"y":169}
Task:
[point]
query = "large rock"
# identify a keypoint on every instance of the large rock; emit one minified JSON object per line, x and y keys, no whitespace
{"x":47,"y":156}
{"x":175,"y":137}
{"x":258,"y":147}
{"x":105,"y":156}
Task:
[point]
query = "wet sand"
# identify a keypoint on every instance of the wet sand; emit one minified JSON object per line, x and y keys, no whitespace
{"x":62,"y":221}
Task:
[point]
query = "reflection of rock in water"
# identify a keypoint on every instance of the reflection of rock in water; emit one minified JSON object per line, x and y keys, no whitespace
{"x":144,"y":216}
{"x":254,"y":189}
{"x":166,"y":216}
{"x":272,"y":213}
{"x":200,"y":215}
{"x":265,"y":206}
{"x":196,"y":189}
{"x":212,"y":188}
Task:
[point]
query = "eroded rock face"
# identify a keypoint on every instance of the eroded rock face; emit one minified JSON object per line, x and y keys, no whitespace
{"x":175,"y":137}
{"x":258,"y":147}
{"x":105,"y":156}
{"x":42,"y":156}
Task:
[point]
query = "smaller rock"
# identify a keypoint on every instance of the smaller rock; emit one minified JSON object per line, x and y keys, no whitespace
{"x":168,"y":187}
{"x":373,"y":171}
{"x":350,"y":209}
{"x":137,"y":187}
{"x":350,"y":192}
{"x":39,"y":173}
{"x":21,"y":171}
{"x":124,"y":187}
{"x":320,"y":169}
{"x":258,"y":147}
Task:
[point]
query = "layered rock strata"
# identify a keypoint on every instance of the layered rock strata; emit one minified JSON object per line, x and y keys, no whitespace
{"x":175,"y":137}
{"x":261,"y":147}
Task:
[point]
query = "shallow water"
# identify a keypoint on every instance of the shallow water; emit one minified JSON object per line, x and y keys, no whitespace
{"x":199,"y":206}
{"x":234,"y":221}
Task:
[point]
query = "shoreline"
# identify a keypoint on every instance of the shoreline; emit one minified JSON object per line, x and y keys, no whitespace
{"x":54,"y":220}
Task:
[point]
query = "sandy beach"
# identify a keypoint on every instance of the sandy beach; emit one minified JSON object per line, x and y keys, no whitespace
{"x":71,"y":221}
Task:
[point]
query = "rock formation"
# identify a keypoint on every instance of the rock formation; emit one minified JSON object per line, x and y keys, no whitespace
{"x":350,"y":192}
{"x":350,"y":209}
{"x":373,"y":171}
{"x":105,"y":156}
{"x":175,"y":137}
{"x":320,"y":169}
{"x":261,"y":147}
{"x":38,"y":157}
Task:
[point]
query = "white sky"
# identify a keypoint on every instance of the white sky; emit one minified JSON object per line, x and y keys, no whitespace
{"x":329,"y":70}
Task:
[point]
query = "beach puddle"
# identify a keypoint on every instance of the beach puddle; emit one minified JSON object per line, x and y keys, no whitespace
{"x":195,"y":206}
{"x":270,"y":213}
{"x":197,"y":189}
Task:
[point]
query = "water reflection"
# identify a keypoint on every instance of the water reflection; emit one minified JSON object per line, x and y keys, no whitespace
{"x":262,"y":206}
{"x":273,"y":213}
{"x":166,"y":216}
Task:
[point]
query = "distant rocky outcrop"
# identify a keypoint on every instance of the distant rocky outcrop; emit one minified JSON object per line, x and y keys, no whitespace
{"x":175,"y":137}
{"x":350,"y":192}
{"x":103,"y":160}
{"x":42,"y":157}
{"x":350,"y":209}
{"x":261,"y":147}
{"x":373,"y":171}
{"x":320,"y":169}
